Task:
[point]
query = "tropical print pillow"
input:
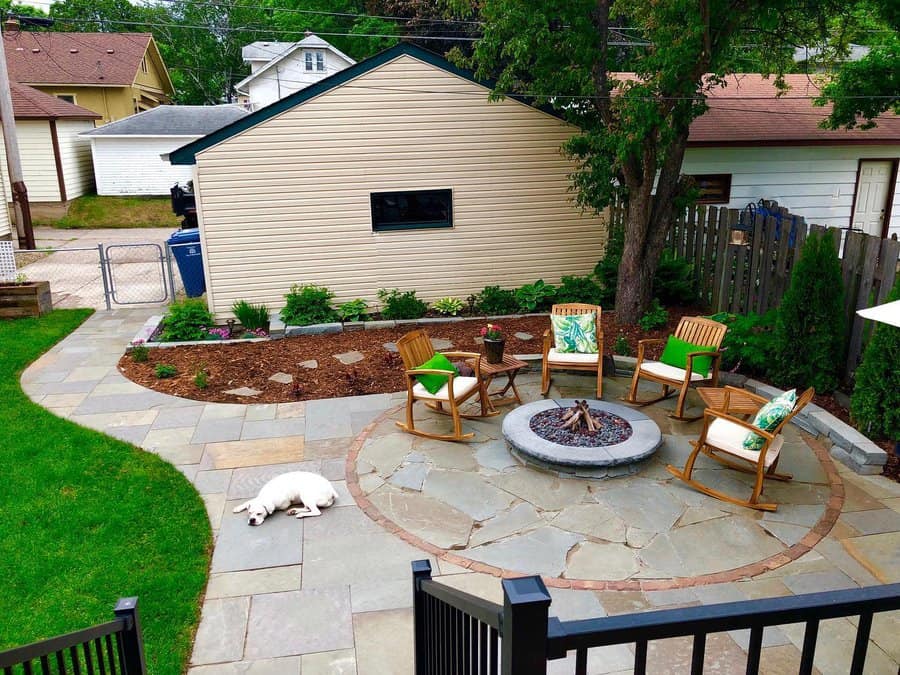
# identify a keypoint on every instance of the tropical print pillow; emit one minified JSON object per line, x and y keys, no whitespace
{"x":576,"y":333}
{"x":770,"y":416}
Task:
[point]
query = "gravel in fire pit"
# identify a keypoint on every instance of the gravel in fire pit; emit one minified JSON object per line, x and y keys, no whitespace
{"x":548,"y":425}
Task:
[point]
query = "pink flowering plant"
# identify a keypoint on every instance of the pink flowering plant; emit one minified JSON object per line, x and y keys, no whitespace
{"x":492,"y":332}
{"x":218,"y":333}
{"x":139,"y":351}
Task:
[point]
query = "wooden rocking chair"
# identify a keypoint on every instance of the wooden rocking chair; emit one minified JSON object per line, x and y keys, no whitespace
{"x":415,"y":349}
{"x":553,"y":359}
{"x":696,"y":330}
{"x":722,"y":439}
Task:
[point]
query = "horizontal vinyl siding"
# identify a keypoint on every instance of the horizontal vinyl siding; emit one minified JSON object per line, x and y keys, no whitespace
{"x":75,"y":153}
{"x":38,"y":165}
{"x":288,"y":200}
{"x":132,"y":166}
{"x":815,"y":182}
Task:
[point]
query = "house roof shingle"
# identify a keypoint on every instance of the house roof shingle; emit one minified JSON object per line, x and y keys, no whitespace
{"x":29,"y":103}
{"x":172,"y":120}
{"x":111,"y":59}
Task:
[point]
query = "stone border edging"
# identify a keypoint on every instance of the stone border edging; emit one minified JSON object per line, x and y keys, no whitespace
{"x":824,"y":525}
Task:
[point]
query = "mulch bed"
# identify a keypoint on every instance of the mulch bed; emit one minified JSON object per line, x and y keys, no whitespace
{"x":231,"y":366}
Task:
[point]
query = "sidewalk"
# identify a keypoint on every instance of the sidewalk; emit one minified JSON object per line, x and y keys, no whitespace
{"x":333,"y":594}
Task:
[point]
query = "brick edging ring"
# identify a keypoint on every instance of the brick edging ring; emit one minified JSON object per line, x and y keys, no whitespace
{"x":832,"y":511}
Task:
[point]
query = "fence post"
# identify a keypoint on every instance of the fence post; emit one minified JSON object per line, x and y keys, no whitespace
{"x":526,"y":606}
{"x":103,"y":272}
{"x":421,"y":570}
{"x":132,"y":640}
{"x":169,"y":273}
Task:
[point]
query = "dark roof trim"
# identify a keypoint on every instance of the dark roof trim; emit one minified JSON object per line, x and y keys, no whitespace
{"x":187,"y":154}
{"x":797,"y":143}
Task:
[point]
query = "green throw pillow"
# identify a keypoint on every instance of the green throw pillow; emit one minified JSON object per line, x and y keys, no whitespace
{"x":576,"y":333}
{"x":433,"y":383}
{"x":676,"y":352}
{"x":770,"y":416}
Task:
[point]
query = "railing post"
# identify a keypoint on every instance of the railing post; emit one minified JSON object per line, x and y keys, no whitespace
{"x":421,"y":570}
{"x":132,"y":641}
{"x":526,"y":606}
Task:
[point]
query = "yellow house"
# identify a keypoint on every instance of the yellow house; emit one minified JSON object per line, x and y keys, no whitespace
{"x":112,"y":74}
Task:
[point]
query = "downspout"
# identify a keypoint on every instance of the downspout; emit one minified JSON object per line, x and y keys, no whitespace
{"x":60,"y":178}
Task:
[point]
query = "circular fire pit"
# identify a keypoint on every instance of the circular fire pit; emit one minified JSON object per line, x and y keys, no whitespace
{"x":621,"y":437}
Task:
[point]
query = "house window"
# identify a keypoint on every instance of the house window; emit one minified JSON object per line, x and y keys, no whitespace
{"x":320,"y":62}
{"x":308,"y":57}
{"x":714,"y":188}
{"x":68,"y":98}
{"x":144,"y":65}
{"x":421,"y":209}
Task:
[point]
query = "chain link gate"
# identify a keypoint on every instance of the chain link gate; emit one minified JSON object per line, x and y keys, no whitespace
{"x":135,"y":274}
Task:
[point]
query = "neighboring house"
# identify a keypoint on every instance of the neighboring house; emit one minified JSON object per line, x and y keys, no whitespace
{"x":113,"y":74}
{"x":751,"y":145}
{"x":278,"y":69}
{"x":56,"y":161}
{"x":127,"y":153}
{"x":394,"y":173}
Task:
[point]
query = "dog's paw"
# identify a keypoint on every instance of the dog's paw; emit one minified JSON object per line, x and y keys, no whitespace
{"x":295,"y":511}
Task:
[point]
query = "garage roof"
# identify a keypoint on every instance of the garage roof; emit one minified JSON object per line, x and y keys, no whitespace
{"x":173,"y":120}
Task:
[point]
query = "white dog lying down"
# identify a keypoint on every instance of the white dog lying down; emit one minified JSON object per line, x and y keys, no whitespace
{"x":310,"y":490}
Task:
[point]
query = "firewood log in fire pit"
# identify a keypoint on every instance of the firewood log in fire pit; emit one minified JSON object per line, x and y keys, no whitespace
{"x":578,"y":418}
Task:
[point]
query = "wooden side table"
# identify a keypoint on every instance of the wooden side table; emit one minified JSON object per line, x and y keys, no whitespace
{"x":510,"y":366}
{"x":739,"y":402}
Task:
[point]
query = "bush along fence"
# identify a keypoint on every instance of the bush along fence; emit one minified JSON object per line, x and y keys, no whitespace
{"x":460,"y":633}
{"x":115,"y":647}
{"x":742,"y":261}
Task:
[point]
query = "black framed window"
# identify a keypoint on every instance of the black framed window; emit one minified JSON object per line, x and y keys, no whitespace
{"x":411,"y":210}
{"x":714,"y":188}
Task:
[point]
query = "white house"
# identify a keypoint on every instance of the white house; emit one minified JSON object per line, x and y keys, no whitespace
{"x":278,"y":69}
{"x":127,"y":152}
{"x":751,"y":145}
{"x":56,"y":161}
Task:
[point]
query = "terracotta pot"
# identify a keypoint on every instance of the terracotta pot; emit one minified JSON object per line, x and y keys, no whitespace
{"x":493,"y":350}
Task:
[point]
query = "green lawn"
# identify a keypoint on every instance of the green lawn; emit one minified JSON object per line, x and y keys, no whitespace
{"x":85,"y":519}
{"x":93,"y":211}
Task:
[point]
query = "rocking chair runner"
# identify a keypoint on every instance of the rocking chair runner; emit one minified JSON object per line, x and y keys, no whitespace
{"x":552,"y":359}
{"x":415,"y":349}
{"x":696,"y":330}
{"x":722,"y":439}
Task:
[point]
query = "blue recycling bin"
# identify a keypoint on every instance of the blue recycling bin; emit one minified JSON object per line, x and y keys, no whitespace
{"x":185,"y":246}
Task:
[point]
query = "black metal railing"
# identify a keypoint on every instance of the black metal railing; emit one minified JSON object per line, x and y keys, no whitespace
{"x":112,"y":648}
{"x":528,"y":637}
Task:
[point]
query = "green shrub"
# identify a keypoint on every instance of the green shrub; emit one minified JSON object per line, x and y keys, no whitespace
{"x":748,"y":345}
{"x":673,"y":283}
{"x":251,"y":317}
{"x":164,"y":370}
{"x":875,"y":404}
{"x":308,"y":304}
{"x":140,"y":352}
{"x":621,"y":346}
{"x":201,"y":378}
{"x":186,"y":320}
{"x":535,"y":297}
{"x":580,"y":289}
{"x":353,"y":310}
{"x":447,"y":306}
{"x":811,"y":329}
{"x":656,"y":317}
{"x":396,"y":304}
{"x":494,"y":300}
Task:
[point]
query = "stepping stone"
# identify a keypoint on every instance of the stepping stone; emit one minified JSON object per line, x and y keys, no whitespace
{"x":411,"y":476}
{"x":441,"y":343}
{"x":244,"y":391}
{"x":391,"y":347}
{"x":541,"y":551}
{"x":348,"y":358}
{"x":282,"y":378}
{"x":479,"y":340}
{"x":312,"y":363}
{"x":524,"y":336}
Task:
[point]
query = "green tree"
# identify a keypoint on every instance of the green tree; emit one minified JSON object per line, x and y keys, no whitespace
{"x":811,"y":329}
{"x":875,"y":404}
{"x":633,"y":130}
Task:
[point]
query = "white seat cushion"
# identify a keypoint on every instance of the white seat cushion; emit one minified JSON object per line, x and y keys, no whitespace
{"x":461,"y":387}
{"x":563,"y":358}
{"x":669,"y":372}
{"x":729,"y":437}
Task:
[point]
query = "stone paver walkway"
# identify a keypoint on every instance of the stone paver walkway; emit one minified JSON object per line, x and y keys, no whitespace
{"x":332,"y":594}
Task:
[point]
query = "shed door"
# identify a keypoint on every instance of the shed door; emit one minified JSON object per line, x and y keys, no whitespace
{"x":872,"y":190}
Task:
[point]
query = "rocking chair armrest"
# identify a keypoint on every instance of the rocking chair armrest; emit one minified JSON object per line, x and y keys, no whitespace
{"x":462,"y":355}
{"x":720,"y":414}
{"x":547,"y":343}
{"x":411,"y":374}
{"x":642,"y":345}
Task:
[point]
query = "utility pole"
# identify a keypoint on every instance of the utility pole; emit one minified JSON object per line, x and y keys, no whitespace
{"x":13,"y":161}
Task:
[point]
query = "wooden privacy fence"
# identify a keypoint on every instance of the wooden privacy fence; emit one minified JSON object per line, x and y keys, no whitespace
{"x":753,"y":275}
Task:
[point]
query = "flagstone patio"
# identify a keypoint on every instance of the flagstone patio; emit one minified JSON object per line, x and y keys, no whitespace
{"x":332,"y":594}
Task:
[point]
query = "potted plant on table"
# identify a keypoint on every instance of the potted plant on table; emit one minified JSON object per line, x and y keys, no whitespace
{"x":494,"y":340}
